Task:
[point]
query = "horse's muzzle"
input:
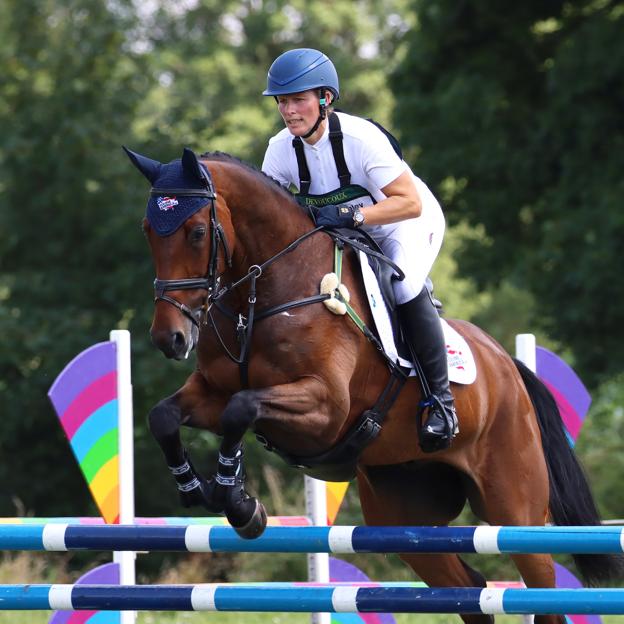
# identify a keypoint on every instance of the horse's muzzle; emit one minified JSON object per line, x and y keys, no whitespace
{"x":175,"y":344}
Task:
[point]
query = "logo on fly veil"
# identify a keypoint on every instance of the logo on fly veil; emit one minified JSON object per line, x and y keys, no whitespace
{"x":167,"y":203}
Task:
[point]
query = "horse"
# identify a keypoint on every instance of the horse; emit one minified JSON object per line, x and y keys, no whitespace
{"x":237,"y":278}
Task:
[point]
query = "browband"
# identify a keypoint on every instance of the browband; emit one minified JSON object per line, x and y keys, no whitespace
{"x":183,"y":192}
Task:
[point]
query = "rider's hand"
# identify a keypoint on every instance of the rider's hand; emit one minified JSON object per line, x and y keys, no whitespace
{"x":332,"y":216}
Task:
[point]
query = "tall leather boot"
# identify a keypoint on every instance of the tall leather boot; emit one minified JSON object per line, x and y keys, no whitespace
{"x":423,"y":332}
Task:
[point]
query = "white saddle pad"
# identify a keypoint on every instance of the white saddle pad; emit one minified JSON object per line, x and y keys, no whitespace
{"x":461,"y":364}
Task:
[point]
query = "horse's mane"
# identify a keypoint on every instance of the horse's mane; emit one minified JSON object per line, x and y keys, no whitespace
{"x":267,"y":179}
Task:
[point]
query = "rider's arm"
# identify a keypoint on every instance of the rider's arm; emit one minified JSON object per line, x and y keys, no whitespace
{"x":402,"y":202}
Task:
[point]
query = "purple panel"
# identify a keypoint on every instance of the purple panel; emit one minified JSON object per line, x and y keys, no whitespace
{"x":571,"y":419}
{"x":552,"y":369}
{"x":339,"y":572}
{"x":84,"y":369}
{"x":107,"y":574}
{"x":566,"y":580}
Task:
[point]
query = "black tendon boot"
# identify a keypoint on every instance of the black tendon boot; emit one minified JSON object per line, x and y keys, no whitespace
{"x":423,"y":332}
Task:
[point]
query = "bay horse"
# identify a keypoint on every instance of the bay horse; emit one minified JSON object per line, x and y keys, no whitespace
{"x":245,"y":256}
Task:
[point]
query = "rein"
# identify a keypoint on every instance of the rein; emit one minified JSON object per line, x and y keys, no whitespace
{"x":244,"y":324}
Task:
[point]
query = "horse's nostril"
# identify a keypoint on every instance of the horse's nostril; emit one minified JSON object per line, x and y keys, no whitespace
{"x":173,"y":344}
{"x":178,"y":342}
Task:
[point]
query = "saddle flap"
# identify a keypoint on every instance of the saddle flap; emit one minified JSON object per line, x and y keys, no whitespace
{"x":461,"y":364}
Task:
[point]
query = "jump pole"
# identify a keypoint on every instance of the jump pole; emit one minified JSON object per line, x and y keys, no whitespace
{"x":317,"y":539}
{"x":306,"y":598}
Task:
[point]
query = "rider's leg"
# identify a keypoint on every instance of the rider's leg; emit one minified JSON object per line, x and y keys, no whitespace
{"x":423,"y":332}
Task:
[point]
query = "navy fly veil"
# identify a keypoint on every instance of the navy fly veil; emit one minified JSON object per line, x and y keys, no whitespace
{"x":166,"y":213}
{"x":173,"y":199}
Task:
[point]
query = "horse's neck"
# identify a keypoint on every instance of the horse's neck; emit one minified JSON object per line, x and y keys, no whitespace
{"x":265,"y":221}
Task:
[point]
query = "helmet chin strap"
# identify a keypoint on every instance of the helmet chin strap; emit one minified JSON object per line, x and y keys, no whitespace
{"x":322,"y":115}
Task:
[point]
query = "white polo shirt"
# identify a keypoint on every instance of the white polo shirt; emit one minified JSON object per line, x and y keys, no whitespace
{"x":370,"y":158}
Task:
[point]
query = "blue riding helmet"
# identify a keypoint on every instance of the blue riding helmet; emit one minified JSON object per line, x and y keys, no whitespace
{"x":299,"y":70}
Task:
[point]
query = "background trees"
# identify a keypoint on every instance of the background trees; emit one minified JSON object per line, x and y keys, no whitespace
{"x":514,"y":119}
{"x":517,"y":117}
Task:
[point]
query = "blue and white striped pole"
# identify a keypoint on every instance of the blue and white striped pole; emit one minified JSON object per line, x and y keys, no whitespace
{"x":288,"y":597}
{"x":336,"y":539}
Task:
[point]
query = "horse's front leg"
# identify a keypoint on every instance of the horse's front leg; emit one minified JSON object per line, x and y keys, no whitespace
{"x":191,"y":405}
{"x":245,"y":513}
{"x":297,"y":411}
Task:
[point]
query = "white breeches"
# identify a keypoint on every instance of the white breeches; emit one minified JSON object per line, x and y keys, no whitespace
{"x":413,"y":245}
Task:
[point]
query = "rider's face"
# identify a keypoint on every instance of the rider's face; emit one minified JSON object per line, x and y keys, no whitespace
{"x":299,"y":111}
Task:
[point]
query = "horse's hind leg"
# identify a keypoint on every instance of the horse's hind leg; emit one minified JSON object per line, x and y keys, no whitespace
{"x":429,"y":495}
{"x":525,"y":503}
{"x":538,"y":571}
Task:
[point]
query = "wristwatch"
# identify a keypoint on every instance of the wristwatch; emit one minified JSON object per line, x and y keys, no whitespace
{"x":358,"y":218}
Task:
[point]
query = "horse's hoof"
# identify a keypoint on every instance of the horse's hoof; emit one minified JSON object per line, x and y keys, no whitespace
{"x":255,"y":526}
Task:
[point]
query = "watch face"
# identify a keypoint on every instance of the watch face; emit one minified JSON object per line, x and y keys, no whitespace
{"x":358,"y":217}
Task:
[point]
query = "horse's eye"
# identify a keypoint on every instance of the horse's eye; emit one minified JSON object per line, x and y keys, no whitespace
{"x":198,"y":234}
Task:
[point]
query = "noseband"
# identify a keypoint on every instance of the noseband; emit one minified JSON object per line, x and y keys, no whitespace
{"x":210,"y":282}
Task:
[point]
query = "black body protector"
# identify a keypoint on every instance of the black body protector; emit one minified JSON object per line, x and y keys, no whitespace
{"x":349,"y":194}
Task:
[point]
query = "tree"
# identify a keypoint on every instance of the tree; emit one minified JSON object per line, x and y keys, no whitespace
{"x":68,"y":235}
{"x":516,"y":119}
{"x":601,"y":444}
{"x":212,"y":60}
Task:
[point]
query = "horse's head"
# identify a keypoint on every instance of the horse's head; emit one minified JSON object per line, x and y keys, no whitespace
{"x":183,"y":232}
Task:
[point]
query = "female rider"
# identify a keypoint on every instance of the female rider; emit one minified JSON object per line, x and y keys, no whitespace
{"x":356,"y":179}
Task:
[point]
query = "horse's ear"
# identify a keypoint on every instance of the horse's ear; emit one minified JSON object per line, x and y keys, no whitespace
{"x":190,"y":164}
{"x":148,"y":167}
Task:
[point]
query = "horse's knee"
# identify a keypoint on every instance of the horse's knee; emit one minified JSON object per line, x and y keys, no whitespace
{"x":239,"y":413}
{"x":164,"y":419}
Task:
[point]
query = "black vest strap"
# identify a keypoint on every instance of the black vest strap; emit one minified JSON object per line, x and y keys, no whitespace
{"x":304,"y":173}
{"x":335,"y":138}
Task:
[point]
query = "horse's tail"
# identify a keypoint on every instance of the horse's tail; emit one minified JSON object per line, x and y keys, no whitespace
{"x":571,"y":500}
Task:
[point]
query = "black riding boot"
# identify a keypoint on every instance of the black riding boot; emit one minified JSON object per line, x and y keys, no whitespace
{"x":423,"y":332}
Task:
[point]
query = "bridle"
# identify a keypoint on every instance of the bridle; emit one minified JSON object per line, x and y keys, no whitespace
{"x":210,"y":282}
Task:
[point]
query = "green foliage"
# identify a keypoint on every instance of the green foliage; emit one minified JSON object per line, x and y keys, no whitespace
{"x":80,"y":79}
{"x":601,"y":445}
{"x":67,"y":228}
{"x":517,"y":118}
{"x":211,"y":64}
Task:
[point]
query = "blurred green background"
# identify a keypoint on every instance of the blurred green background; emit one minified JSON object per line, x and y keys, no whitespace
{"x":513,"y":115}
